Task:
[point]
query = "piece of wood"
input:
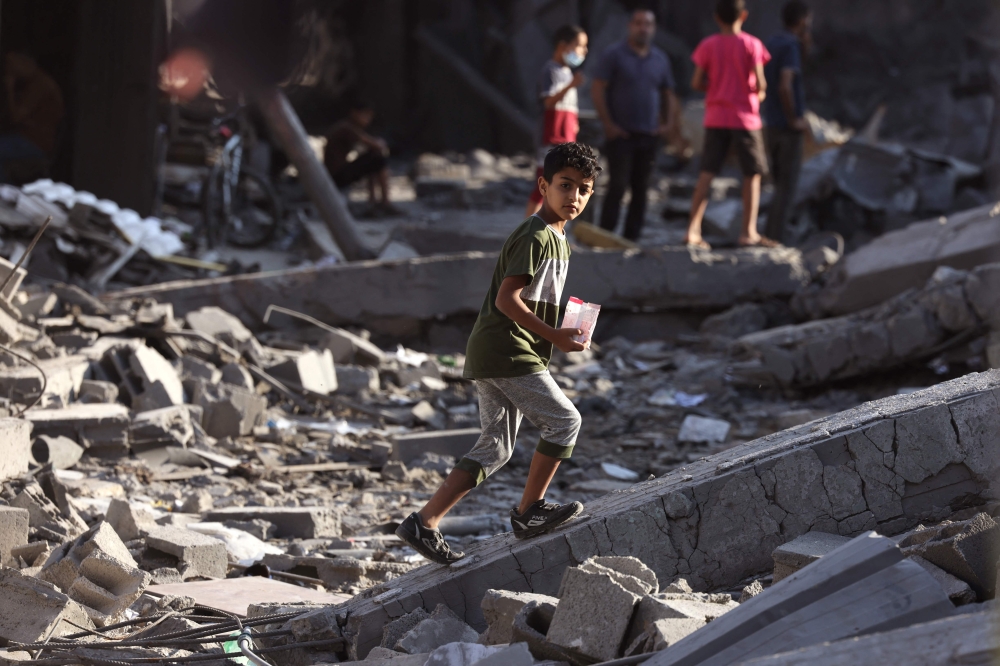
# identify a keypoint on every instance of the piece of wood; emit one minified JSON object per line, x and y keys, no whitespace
{"x":594,"y":236}
{"x":234,"y":595}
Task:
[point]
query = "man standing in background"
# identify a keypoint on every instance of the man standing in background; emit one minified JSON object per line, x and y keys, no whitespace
{"x":783,"y":113}
{"x":633,"y":92}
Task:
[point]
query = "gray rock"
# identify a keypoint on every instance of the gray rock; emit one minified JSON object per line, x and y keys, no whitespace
{"x":593,"y":614}
{"x":801,"y":551}
{"x":500,"y":607}
{"x":701,"y":430}
{"x":442,"y":627}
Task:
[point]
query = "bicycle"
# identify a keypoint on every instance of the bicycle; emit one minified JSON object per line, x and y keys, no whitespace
{"x":240,"y":206}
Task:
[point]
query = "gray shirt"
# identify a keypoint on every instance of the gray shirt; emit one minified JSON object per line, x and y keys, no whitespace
{"x":635,"y":86}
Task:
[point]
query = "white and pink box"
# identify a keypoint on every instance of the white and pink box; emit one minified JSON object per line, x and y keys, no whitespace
{"x":583,"y":316}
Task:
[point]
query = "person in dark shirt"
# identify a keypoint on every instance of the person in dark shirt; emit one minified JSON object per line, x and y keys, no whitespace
{"x":784,"y":113}
{"x":633,"y":92}
{"x":353,"y":154}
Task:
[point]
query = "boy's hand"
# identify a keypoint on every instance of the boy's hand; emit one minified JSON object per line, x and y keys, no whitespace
{"x":562,"y":338}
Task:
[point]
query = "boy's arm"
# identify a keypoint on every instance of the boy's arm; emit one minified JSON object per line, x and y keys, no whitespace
{"x":509,"y":302}
{"x":786,"y":94}
{"x":598,"y":90}
{"x":698,"y":81}
{"x":761,"y":82}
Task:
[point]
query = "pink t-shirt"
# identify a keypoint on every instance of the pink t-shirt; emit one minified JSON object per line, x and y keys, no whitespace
{"x":730,"y":63}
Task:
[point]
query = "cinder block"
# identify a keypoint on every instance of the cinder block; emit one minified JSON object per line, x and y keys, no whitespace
{"x":13,"y":533}
{"x":455,"y":443}
{"x":150,"y":366}
{"x":106,"y":587}
{"x":15,"y":448}
{"x":229,"y":411}
{"x":302,"y":522}
{"x":32,"y":610}
{"x":159,"y":428}
{"x":204,"y":555}
{"x":800,"y":551}
{"x":500,"y":607}
{"x":101,"y":429}
{"x":129,"y":522}
{"x":593,"y":614}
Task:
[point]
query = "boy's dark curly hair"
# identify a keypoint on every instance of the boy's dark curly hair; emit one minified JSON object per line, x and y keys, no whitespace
{"x":577,"y":156}
{"x":729,"y":11}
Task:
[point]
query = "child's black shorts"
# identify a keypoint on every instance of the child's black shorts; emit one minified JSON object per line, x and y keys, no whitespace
{"x":749,"y":150}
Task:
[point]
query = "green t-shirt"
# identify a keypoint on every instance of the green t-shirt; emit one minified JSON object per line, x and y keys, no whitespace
{"x":498,"y":347}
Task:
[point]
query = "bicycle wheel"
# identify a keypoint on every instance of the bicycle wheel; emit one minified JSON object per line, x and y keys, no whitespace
{"x":253,"y":215}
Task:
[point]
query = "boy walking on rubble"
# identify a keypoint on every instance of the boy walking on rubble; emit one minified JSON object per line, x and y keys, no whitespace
{"x":508,"y":356}
{"x":729,"y":67}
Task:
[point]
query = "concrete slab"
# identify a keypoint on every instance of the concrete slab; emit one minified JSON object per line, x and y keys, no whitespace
{"x":454,"y":443}
{"x":304,"y":522}
{"x":235,"y":595}
{"x":15,"y":447}
{"x":204,"y":555}
{"x":101,"y":429}
{"x":13,"y":533}
{"x":31,"y":610}
{"x":368,"y":292}
{"x":684,"y":523}
{"x":804,"y":550}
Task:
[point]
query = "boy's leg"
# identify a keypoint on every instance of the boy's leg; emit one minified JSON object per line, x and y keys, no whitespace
{"x":499,"y":420}
{"x":619,"y":170}
{"x":753,"y":162}
{"x":712,"y":156}
{"x":548,"y":408}
{"x":751,"y":203}
{"x":643,"y":158}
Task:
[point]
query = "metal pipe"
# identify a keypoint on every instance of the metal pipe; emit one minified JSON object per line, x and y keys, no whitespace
{"x":24,"y":255}
{"x":287,"y":129}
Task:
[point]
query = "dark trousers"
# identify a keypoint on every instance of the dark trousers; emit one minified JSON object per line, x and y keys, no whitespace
{"x":630,"y":164}
{"x":784,"y":152}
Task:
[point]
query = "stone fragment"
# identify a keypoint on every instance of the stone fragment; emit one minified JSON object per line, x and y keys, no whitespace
{"x":957,"y":590}
{"x":311,"y":370}
{"x":199,"y":502}
{"x":500,"y":607}
{"x":353,"y":379}
{"x":237,"y":375}
{"x":791,"y":556}
{"x":153,"y":369}
{"x":159,"y":428}
{"x":664,"y":633}
{"x":61,"y":451}
{"x":969,"y":551}
{"x":442,"y":627}
{"x":630,"y":583}
{"x":393,"y":631}
{"x":219,"y":324}
{"x":736,"y":322}
{"x":297,"y":522}
{"x":193,"y":368}
{"x":394,"y":470}
{"x":425,"y":413}
{"x":15,"y":447}
{"x":32,"y":610}
{"x":129,"y":521}
{"x":865,"y":585}
{"x":106,"y":587}
{"x":532,"y":624}
{"x":101,"y":429}
{"x":701,"y":430}
{"x":630,"y":566}
{"x":688,"y":610}
{"x":347,"y":347}
{"x":44,"y":513}
{"x":516,"y":654}
{"x":38,"y":305}
{"x":229,"y":411}
{"x":261,"y":529}
{"x":593,"y":614}
{"x":64,"y":378}
{"x":454,"y":443}
{"x":204,"y":555}
{"x":13,"y":533}
{"x":463,"y":654}
{"x":751,"y":591}
{"x":63,"y":565}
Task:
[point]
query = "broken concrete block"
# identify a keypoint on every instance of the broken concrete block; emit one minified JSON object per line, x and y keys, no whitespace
{"x":64,"y":374}
{"x":102,"y":430}
{"x":791,"y":556}
{"x":219,"y":324}
{"x":530,"y":626}
{"x":305,"y":522}
{"x":62,"y":567}
{"x":751,"y":591}
{"x":39,"y":305}
{"x":630,"y":583}
{"x":95,"y":390}
{"x":516,"y":654}
{"x":261,"y":529}
{"x":311,"y":370}
{"x":957,"y":590}
{"x":500,"y":607}
{"x":159,"y":428}
{"x":464,"y":654}
{"x":347,"y":347}
{"x":970,"y":551}
{"x":237,"y":375}
{"x":194,"y":368}
{"x":13,"y":533}
{"x":61,"y":451}
{"x":593,"y":614}
{"x":629,"y":566}
{"x":198,"y":502}
{"x":454,"y":443}
{"x":736,"y":322}
{"x":106,"y":587}
{"x":15,"y":448}
{"x":424,"y":412}
{"x":864,"y":585}
{"x":153,"y":369}
{"x":664,"y":633}
{"x":204,"y":555}
{"x":129,"y":522}
{"x":393,"y":631}
{"x":33,"y":554}
{"x":675,"y":607}
{"x":701,"y":430}
{"x":353,"y":379}
{"x":229,"y":411}
{"x":43,"y":512}
{"x":442,"y":627}
{"x":394,"y":470}
{"x":32,"y":610}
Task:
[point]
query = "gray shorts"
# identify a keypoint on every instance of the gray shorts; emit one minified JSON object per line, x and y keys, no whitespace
{"x":502,"y":403}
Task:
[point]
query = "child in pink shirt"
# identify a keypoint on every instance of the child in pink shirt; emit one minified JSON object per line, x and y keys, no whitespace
{"x":730,"y":69}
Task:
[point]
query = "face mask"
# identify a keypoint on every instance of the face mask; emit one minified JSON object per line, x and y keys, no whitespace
{"x":573,"y":59}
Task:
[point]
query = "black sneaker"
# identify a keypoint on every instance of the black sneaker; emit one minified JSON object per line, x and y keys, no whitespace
{"x":542,"y":517}
{"x":429,"y":543}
